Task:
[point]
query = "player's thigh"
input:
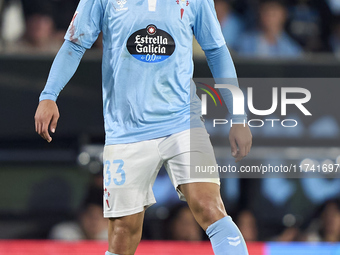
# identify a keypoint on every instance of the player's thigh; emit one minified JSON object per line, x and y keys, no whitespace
{"x":129,"y":173}
{"x":190,"y":148}
{"x":202,"y":194}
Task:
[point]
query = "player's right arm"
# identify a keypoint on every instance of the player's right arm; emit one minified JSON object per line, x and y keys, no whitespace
{"x":81,"y":34}
{"x":63,"y":68}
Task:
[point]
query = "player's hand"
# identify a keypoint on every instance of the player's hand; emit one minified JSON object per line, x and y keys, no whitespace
{"x":240,"y":141}
{"x":46,"y":117}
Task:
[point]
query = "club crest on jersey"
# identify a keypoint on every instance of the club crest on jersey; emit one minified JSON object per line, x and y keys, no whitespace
{"x":151,"y":44}
{"x":106,"y":197}
{"x":151,"y":29}
{"x":182,"y":4}
{"x":120,"y":5}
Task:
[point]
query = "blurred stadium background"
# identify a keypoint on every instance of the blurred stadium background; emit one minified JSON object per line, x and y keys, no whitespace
{"x":43,"y":186}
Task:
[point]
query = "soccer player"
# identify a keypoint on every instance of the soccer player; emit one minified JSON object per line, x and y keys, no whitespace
{"x":151,"y":110}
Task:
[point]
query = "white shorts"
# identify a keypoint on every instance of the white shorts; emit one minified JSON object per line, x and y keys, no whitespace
{"x":130,"y":169}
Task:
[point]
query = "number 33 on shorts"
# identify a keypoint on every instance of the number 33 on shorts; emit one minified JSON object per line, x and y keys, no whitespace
{"x":114,"y":172}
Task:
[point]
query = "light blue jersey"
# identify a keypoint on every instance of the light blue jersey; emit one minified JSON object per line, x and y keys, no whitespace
{"x":147,"y":62}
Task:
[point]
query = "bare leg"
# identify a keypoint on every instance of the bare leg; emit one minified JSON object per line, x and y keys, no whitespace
{"x":125,"y":233}
{"x":205,"y":202}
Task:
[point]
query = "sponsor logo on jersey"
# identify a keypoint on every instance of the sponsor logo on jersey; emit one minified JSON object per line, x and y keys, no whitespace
{"x":182,"y":4}
{"x":151,"y":44}
{"x":120,"y":5}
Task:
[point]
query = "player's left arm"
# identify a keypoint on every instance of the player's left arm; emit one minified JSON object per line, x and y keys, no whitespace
{"x":207,"y":31}
{"x":223,"y":69}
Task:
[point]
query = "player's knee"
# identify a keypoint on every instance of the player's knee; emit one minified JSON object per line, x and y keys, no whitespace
{"x":124,"y":227}
{"x":208,"y":210}
{"x":124,"y":234}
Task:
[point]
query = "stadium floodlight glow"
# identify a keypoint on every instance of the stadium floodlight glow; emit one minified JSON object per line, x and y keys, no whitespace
{"x":84,"y":158}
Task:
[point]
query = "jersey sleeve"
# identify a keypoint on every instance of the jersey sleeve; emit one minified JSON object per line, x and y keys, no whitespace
{"x":207,"y":29}
{"x":63,"y":68}
{"x":86,"y":23}
{"x":223,"y":70}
